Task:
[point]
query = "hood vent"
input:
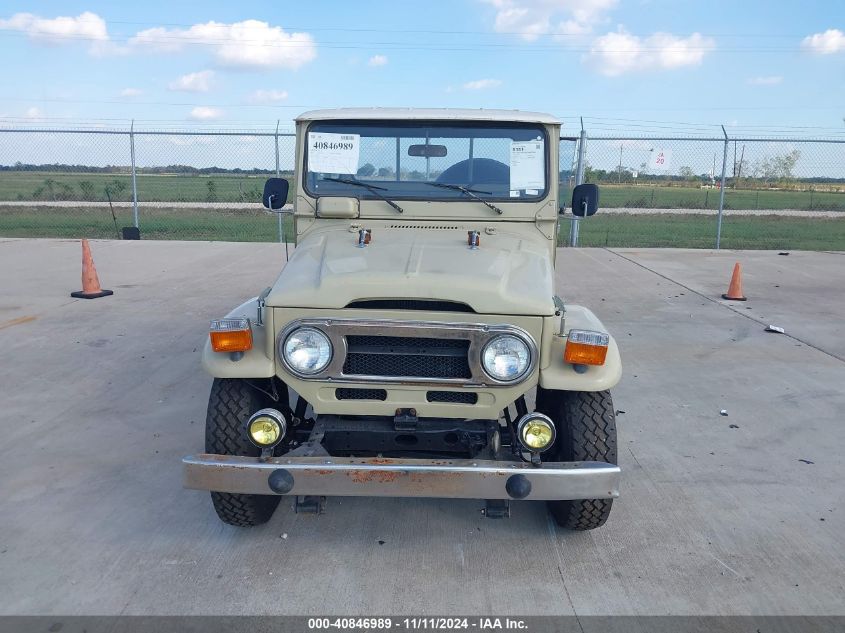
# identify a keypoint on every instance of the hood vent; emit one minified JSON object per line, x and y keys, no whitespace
{"x":432,"y":227}
{"x":427,"y":305}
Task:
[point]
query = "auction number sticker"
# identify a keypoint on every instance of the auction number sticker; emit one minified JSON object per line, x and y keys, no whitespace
{"x":330,"y":153}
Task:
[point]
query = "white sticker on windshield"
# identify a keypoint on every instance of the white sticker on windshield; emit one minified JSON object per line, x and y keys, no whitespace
{"x":527,"y":165}
{"x":333,"y":153}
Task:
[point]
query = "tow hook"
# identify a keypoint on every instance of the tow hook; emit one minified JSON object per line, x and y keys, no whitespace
{"x":405,"y":420}
{"x":497,"y":509}
{"x":309,"y":505}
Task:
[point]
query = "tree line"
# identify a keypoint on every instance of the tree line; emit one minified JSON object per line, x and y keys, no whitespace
{"x":126,"y":169}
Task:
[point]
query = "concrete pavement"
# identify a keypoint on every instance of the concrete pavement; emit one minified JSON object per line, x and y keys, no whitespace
{"x":102,"y":398}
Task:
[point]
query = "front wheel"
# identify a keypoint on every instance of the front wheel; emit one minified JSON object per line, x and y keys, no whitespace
{"x":230,"y":404}
{"x":586,"y":427}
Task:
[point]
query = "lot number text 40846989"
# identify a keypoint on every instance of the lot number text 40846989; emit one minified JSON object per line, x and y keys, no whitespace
{"x":418,"y":624}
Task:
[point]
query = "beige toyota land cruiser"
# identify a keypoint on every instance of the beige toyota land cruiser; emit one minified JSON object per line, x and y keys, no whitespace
{"x":400,"y":348}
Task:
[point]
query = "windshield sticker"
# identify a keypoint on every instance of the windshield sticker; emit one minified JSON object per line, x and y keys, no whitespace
{"x":333,"y":153}
{"x":527,"y":165}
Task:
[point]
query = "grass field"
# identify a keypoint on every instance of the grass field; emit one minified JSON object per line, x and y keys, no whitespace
{"x":619,"y":230}
{"x":26,"y":186}
{"x":699,"y":231}
{"x":656,"y":197}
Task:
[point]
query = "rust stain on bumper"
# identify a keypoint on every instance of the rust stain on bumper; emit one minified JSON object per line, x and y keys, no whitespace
{"x":373,"y":476}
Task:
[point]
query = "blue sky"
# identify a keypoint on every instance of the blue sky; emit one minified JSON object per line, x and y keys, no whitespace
{"x":634,"y":65}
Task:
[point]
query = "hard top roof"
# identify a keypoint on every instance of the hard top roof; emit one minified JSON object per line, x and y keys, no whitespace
{"x":428,"y":114}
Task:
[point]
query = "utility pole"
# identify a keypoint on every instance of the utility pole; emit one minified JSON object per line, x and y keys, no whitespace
{"x":734,"y":170}
{"x":619,"y":175}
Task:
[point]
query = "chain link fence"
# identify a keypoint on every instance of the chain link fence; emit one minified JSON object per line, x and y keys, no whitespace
{"x":689,"y":192}
{"x":714,"y":192}
{"x":172,"y":185}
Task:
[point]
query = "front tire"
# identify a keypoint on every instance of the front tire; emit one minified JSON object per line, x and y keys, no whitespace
{"x":586,"y":426}
{"x":230,"y":404}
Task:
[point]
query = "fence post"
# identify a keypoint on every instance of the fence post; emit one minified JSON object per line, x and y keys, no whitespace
{"x":579,"y":178}
{"x":276,"y":141}
{"x":134,"y":181}
{"x":722,"y":191}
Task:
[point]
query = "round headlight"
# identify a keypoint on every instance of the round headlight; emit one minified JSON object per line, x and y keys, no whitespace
{"x":506,"y":357}
{"x":307,"y":350}
{"x":536,"y":432}
{"x":266,"y":428}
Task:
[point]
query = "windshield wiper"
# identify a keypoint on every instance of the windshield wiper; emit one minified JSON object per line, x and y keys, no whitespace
{"x":371,"y":188}
{"x":469,"y":192}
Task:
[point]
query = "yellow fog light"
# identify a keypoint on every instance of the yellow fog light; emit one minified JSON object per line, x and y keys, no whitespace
{"x":536,"y":432}
{"x":266,"y":428}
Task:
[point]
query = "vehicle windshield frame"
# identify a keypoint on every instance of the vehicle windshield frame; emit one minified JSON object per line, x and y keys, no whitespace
{"x":362,"y":194}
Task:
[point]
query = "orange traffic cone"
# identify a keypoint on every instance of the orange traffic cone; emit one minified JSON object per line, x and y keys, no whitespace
{"x":90,"y":282}
{"x":735,"y":289}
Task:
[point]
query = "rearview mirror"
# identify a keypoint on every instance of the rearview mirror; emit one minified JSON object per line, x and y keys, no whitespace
{"x":275,"y":193}
{"x":585,"y":200}
{"x":427,"y":151}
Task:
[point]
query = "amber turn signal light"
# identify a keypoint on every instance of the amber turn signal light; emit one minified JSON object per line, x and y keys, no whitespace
{"x":230,"y":335}
{"x":584,"y":347}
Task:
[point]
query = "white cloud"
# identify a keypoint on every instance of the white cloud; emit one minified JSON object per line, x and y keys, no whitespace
{"x":131,"y":92}
{"x":827,"y":43}
{"x":621,"y":52}
{"x":772,"y":80}
{"x":87,"y":27}
{"x":249,"y":44}
{"x":84,"y":26}
{"x":377,"y":60}
{"x":268,"y":96}
{"x":33,"y":113}
{"x":482,"y":84}
{"x":533,"y":18}
{"x":188,"y":141}
{"x":193,"y":82}
{"x":205,"y":113}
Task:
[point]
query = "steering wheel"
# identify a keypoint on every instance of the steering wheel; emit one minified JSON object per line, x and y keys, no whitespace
{"x":484,"y":171}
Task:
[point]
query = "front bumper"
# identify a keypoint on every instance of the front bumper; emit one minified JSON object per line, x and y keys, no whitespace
{"x":382,"y":477}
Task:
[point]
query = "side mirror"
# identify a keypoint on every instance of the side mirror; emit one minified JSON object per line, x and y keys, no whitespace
{"x":275,"y":193}
{"x":585,"y":200}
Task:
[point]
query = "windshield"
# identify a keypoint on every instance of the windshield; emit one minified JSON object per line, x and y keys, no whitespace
{"x":387,"y":160}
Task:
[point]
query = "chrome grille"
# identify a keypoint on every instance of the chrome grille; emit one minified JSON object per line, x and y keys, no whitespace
{"x":406,"y":357}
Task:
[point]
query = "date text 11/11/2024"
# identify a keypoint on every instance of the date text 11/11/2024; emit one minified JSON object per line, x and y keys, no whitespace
{"x":418,"y":624}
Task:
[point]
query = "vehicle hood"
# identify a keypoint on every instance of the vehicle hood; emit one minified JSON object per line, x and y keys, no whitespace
{"x":508,"y":274}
